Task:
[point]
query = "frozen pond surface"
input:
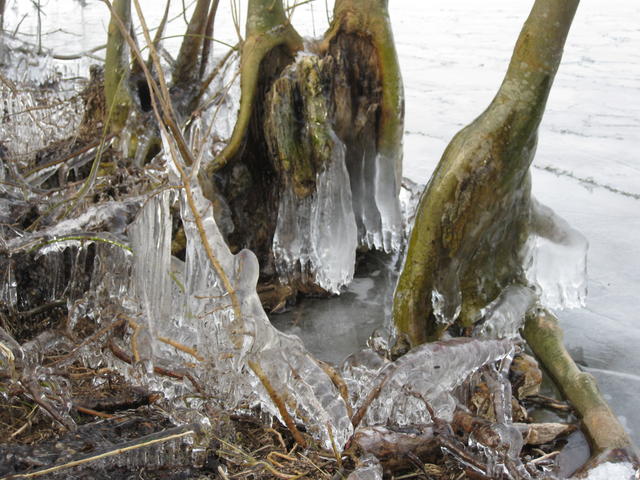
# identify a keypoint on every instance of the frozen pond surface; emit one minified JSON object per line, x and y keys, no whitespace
{"x":453,"y":56}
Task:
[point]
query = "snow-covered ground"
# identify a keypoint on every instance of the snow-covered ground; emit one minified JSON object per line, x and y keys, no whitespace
{"x":453,"y":54}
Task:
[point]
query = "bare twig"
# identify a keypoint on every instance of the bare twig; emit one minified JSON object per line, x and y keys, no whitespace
{"x":183,"y":348}
{"x":278,"y":402}
{"x":147,"y":441}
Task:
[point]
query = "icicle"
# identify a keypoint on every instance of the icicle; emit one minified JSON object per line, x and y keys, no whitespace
{"x":375,"y":185}
{"x":150,"y":238}
{"x":555,"y":260}
{"x":317,"y":234}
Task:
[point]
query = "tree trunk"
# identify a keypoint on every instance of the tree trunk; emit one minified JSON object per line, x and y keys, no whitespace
{"x":186,"y":69}
{"x":473,"y":216}
{"x":116,"y":69}
{"x":294,"y":117}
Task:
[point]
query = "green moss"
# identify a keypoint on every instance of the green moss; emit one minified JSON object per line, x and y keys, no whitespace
{"x":298,"y":123}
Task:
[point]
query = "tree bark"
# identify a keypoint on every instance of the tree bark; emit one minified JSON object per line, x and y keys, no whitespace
{"x":267,"y":31}
{"x":544,"y":335}
{"x":117,"y":69}
{"x":369,"y":20}
{"x":186,"y":69}
{"x":472,"y":218}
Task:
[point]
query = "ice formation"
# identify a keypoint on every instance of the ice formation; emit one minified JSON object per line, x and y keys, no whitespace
{"x":375,"y":185}
{"x":504,"y":317}
{"x":356,"y":200}
{"x":317,"y":235}
{"x":555,"y":260}
{"x":33,"y":118}
{"x":432,"y":371}
{"x":221,"y":115}
{"x":370,"y":469}
{"x":219,"y":314}
{"x":611,"y":471}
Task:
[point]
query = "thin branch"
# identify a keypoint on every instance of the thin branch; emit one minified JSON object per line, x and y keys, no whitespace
{"x":278,"y":402}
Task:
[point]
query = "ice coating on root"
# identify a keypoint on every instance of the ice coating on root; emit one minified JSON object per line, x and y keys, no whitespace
{"x":504,"y":317}
{"x":370,"y":469}
{"x":234,"y":331}
{"x":317,"y":235}
{"x":217,"y":313}
{"x":375,"y":184}
{"x":409,"y":197}
{"x":431,"y":371}
{"x":555,"y":260}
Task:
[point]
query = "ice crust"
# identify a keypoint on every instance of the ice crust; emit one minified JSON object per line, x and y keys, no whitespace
{"x":317,"y":235}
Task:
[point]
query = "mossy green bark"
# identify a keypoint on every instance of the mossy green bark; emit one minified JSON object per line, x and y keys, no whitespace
{"x":117,"y":67}
{"x":370,"y":20}
{"x":473,"y":215}
{"x":298,"y":125}
{"x":267,"y":29}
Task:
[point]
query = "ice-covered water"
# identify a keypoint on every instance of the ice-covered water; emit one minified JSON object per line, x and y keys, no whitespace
{"x":453,"y":55}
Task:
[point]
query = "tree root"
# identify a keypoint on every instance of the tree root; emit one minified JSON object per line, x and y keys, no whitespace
{"x":474,"y":215}
{"x":607,"y":436}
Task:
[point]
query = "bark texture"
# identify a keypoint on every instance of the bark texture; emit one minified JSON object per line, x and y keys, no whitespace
{"x":294,"y":113}
{"x":544,"y":336}
{"x":116,"y":70}
{"x":472,"y":218}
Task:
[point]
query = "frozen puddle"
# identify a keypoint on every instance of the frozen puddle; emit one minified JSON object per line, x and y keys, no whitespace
{"x":333,"y":328}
